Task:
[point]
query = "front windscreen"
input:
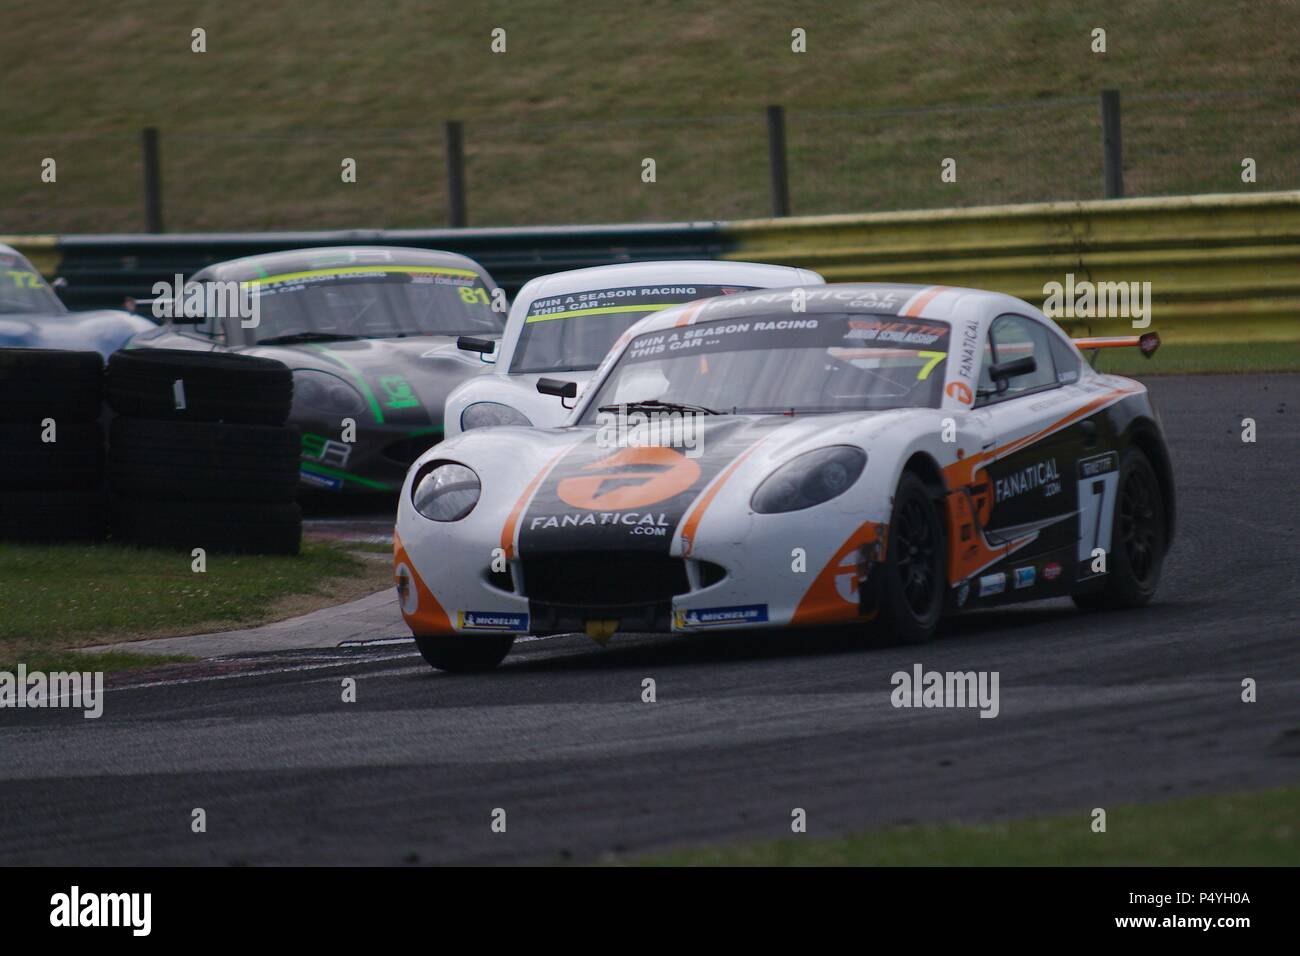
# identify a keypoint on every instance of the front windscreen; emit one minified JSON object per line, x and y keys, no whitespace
{"x":570,"y":333}
{"x":372,"y":302}
{"x":22,"y":290}
{"x":784,"y":364}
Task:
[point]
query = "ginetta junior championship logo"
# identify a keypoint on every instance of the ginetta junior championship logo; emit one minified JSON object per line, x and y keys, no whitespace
{"x":630,"y":478}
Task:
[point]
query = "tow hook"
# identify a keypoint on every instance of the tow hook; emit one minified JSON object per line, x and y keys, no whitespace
{"x":601,"y":631}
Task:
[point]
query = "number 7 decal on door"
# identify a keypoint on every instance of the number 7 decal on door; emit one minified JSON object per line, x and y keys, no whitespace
{"x":1098,"y":479}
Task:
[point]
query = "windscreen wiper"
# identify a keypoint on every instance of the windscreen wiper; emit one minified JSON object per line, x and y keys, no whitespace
{"x":293,"y":337}
{"x":655,"y":404}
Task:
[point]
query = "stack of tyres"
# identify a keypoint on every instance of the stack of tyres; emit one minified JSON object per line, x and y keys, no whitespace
{"x":199,"y":455}
{"x":51,"y":446}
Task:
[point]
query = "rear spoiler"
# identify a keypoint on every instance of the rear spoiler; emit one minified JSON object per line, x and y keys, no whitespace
{"x":1148,"y":342}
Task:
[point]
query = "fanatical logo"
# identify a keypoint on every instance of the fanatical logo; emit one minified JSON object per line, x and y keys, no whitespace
{"x":1041,"y":475}
{"x":630,"y":478}
{"x":960,"y":391}
{"x":970,"y":343}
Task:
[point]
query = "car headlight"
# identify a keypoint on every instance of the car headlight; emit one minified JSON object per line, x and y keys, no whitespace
{"x":324,"y":392}
{"x":482,"y":414}
{"x":446,"y":491}
{"x":809,"y":479}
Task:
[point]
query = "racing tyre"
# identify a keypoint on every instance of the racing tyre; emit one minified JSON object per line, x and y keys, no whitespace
{"x":49,"y":516}
{"x":461,"y":655}
{"x":910,"y":583}
{"x":74,"y":460}
{"x":232,"y":526}
{"x":199,"y":386}
{"x":36,"y":384}
{"x":207,"y":461}
{"x":1138,"y":539}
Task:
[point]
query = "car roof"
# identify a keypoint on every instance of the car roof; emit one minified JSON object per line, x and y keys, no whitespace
{"x":700,"y":271}
{"x":325,"y":257}
{"x":914,"y":300}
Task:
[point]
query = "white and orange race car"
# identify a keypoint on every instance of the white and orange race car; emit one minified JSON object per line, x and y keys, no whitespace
{"x":861,"y":454}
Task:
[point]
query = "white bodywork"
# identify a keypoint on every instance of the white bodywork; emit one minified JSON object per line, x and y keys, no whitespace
{"x":800,"y":567}
{"x":518,"y":390}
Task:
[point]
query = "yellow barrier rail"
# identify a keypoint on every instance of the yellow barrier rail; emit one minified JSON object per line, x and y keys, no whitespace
{"x":41,"y":251}
{"x":1220,"y":266}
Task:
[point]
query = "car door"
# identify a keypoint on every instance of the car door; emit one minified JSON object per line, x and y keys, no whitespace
{"x":1033,"y":509}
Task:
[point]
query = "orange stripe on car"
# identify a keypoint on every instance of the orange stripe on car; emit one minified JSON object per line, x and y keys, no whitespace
{"x":697,"y":510}
{"x":833,"y":595}
{"x":429,"y":617}
{"x":512,"y":520}
{"x":921,"y":300}
{"x":688,"y":316}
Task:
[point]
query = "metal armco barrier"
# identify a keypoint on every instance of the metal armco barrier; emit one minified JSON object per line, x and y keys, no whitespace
{"x":1220,"y":266}
{"x":102,"y":270}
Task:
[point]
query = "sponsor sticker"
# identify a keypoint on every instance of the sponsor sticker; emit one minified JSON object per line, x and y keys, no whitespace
{"x":1025,"y":577}
{"x":407,"y":596}
{"x":320,"y":481}
{"x":1041,"y":474}
{"x":1098,"y":465}
{"x":491,"y":621}
{"x":1051,"y":571}
{"x":707,"y":616}
{"x":992,"y":584}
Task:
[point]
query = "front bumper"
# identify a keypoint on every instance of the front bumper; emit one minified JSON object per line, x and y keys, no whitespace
{"x":773,"y":572}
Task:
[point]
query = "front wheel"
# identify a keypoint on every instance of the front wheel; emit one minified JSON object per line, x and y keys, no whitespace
{"x":460,"y":654}
{"x":911,"y":579}
{"x":1138,"y":539}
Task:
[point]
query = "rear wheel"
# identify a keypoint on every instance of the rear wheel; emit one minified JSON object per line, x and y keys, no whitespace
{"x":911,"y":580}
{"x":1138,"y":539}
{"x":461,"y":654}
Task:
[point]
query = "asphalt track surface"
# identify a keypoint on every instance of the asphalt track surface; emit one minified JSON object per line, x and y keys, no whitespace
{"x":1096,"y":711}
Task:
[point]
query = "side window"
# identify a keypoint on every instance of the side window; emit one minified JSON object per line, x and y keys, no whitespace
{"x":1067,"y":361}
{"x":984,"y":390}
{"x":1013,"y":337}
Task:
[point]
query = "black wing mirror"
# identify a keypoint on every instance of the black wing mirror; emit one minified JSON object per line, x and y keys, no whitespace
{"x":558,"y":387}
{"x":1013,"y":369}
{"x":484,"y":347}
{"x":469,"y":343}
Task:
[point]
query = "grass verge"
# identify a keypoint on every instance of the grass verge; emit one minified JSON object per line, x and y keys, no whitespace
{"x":557,"y":126}
{"x":1241,"y":829}
{"x":1185,"y":359}
{"x":57,"y":598}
